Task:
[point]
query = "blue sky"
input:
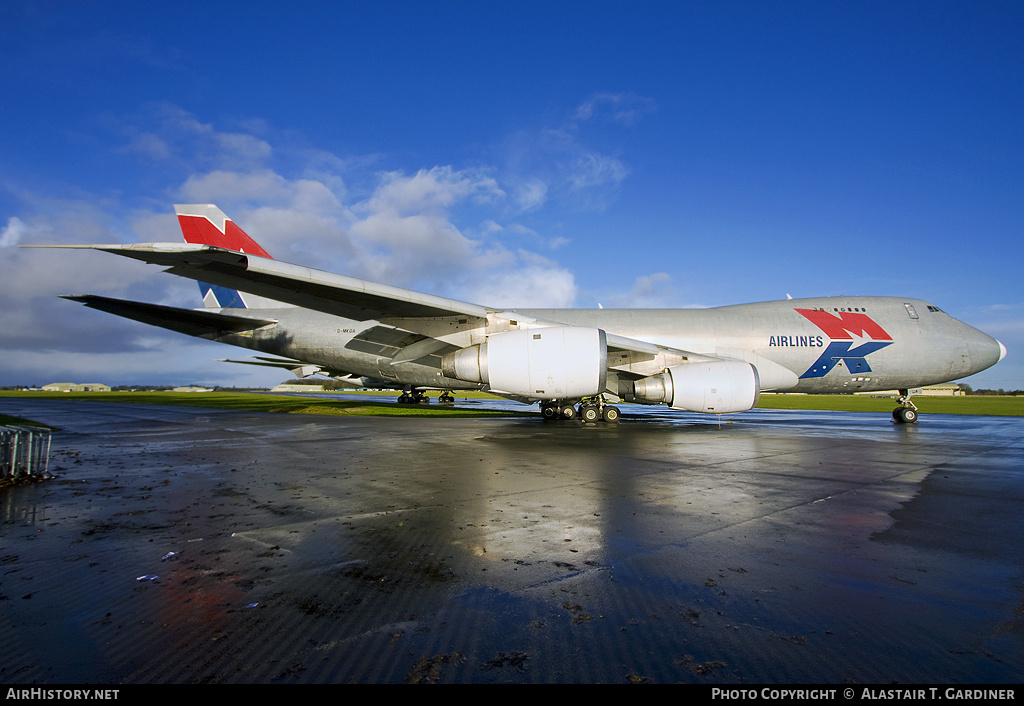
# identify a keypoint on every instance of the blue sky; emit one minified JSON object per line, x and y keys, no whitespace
{"x":522,"y":153}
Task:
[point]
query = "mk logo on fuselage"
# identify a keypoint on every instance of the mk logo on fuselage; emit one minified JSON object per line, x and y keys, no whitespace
{"x":841,"y":329}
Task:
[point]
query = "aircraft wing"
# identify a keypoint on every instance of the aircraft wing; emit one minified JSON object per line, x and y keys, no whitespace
{"x":330,"y":293}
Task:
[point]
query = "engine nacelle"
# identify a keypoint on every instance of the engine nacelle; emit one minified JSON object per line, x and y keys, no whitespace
{"x":713,"y":387}
{"x":554,"y":363}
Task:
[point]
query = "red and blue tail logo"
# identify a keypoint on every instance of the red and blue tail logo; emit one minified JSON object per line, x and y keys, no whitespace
{"x":841,"y":328}
{"x":205,"y":224}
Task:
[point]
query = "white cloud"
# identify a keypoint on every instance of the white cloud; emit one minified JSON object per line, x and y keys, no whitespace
{"x":591,"y":171}
{"x":12,"y":233}
{"x":648,"y":291}
{"x":623,"y":108}
{"x":531,"y":195}
{"x":179,"y":136}
{"x":431,"y":189}
{"x":150,"y":145}
{"x":555,"y":167}
{"x":528,"y":286}
{"x":231,"y":187}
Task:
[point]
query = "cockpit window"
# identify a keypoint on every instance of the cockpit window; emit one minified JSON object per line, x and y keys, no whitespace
{"x":935,"y":309}
{"x":911,"y":310}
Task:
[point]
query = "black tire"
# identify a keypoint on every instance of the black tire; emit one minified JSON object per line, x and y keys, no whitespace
{"x":549,"y":412}
{"x":590,"y":413}
{"x":904,"y":415}
{"x":610,"y":414}
{"x":568,"y":412}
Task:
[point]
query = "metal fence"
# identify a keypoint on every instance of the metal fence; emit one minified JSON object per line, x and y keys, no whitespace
{"x":24,"y":451}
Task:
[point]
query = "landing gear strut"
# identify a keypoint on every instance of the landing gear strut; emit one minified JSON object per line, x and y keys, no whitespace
{"x":591,"y":409}
{"x":906,"y":413}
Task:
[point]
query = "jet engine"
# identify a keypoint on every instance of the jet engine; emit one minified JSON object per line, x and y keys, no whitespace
{"x":554,"y":363}
{"x":714,"y":387}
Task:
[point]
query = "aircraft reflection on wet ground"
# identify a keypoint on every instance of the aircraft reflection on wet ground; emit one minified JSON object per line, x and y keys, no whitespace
{"x":776,"y":547}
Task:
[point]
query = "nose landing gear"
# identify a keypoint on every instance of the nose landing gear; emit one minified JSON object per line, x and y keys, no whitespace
{"x":907,"y":412}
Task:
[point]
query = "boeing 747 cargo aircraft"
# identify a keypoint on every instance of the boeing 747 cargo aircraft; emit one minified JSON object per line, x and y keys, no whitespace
{"x":574,"y":362}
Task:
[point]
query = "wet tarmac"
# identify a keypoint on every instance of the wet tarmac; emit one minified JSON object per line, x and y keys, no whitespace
{"x":781,"y":547}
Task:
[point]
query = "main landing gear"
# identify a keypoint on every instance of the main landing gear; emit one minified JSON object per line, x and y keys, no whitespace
{"x":413,"y":396}
{"x":907,"y":412}
{"x":591,"y":409}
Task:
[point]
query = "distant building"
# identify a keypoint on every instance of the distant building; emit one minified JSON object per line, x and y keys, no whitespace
{"x":192,"y":388}
{"x":76,"y":387}
{"x":285,"y":387}
{"x":949,"y":389}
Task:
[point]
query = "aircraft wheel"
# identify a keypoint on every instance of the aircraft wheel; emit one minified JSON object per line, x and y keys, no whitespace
{"x":610,"y":414}
{"x":904,"y":415}
{"x":549,"y":412}
{"x":590,"y":413}
{"x":568,"y":412}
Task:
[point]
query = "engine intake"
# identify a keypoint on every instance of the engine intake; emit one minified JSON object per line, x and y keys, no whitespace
{"x":554,"y":363}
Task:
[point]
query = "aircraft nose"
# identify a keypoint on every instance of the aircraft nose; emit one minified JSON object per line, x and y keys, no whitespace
{"x":984,"y":350}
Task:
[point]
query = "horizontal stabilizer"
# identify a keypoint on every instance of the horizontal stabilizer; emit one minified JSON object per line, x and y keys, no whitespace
{"x":339,"y":295}
{"x":205,"y":324}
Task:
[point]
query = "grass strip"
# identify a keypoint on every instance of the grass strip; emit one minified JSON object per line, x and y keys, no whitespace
{"x":259,"y":402}
{"x":9,"y":420}
{"x":1007,"y":406}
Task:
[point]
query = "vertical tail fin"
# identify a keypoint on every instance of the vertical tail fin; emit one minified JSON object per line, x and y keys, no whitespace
{"x":205,"y":224}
